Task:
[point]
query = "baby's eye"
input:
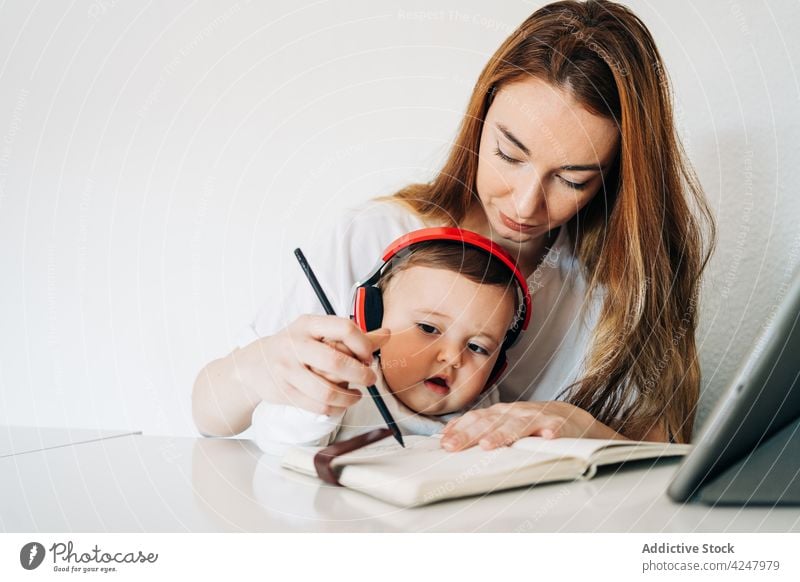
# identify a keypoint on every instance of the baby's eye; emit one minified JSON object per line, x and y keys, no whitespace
{"x":477,"y":349}
{"x":427,"y":328}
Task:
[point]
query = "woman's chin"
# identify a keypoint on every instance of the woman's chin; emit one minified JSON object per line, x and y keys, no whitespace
{"x":517,"y":236}
{"x":512,"y":236}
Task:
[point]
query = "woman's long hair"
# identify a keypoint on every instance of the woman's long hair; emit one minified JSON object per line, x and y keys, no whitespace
{"x":641,"y":238}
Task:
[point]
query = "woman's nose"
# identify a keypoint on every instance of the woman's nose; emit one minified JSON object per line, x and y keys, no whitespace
{"x":528,"y":197}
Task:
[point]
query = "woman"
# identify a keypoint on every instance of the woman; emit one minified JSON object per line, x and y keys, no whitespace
{"x":567,"y":156}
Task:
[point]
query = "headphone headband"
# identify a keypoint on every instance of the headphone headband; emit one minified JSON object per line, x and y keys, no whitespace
{"x":466,"y":238}
{"x":368,"y":302}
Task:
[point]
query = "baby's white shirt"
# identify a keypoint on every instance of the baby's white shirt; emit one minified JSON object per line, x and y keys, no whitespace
{"x":278,"y":426}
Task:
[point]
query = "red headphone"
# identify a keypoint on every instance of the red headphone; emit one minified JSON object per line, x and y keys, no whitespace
{"x":368,"y":301}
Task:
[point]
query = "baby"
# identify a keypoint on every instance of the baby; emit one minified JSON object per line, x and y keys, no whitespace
{"x":451,"y":309}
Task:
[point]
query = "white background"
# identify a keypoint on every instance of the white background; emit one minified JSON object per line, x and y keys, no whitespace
{"x":155,"y":158}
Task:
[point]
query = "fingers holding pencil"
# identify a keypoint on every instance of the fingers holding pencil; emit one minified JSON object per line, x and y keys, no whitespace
{"x":325,"y":347}
{"x":345,"y":335}
{"x":353,"y":332}
{"x":346,"y":357}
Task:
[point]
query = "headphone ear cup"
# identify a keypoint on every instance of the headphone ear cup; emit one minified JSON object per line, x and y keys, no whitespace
{"x":497,"y":370}
{"x":368,"y":308}
{"x":512,"y":335}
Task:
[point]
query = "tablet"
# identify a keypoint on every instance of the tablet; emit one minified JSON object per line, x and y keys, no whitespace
{"x":748,"y":451}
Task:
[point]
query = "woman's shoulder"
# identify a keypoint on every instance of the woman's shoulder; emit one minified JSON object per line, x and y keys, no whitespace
{"x":380,"y":213}
{"x":373,"y":225}
{"x":357,"y":238}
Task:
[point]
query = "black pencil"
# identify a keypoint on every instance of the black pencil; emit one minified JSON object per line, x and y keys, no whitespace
{"x":326,"y":305}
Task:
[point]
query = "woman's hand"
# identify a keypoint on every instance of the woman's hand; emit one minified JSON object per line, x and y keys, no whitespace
{"x":503,"y":424}
{"x":311,"y":362}
{"x":307,"y":364}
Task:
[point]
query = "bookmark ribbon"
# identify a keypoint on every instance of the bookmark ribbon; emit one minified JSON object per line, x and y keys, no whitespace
{"x":324,"y":458}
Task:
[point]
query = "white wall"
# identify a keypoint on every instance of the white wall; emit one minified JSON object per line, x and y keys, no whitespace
{"x":155,"y":158}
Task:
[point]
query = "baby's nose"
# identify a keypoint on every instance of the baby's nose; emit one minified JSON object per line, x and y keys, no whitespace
{"x":451,"y":355}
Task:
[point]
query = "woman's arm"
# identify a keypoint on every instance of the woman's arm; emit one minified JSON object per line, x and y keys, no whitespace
{"x":294,"y":363}
{"x":222,"y":405}
{"x":297,"y":366}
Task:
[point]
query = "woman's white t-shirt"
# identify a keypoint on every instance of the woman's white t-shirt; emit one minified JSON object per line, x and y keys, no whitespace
{"x":549,"y":356}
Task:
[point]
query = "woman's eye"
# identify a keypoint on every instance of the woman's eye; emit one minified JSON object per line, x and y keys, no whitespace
{"x":573,"y":185}
{"x":477,"y":349}
{"x":427,"y":328}
{"x":506,"y":158}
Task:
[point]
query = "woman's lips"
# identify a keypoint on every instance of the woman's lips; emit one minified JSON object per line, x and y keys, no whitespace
{"x":516,"y":225}
{"x":437,"y":385}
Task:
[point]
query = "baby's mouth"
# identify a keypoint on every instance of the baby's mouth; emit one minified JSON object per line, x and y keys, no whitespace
{"x":438,"y":385}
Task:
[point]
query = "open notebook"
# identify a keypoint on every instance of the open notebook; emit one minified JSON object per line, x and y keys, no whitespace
{"x":423,"y":472}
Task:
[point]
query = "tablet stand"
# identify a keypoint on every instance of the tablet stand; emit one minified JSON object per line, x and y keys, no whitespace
{"x":768,"y":475}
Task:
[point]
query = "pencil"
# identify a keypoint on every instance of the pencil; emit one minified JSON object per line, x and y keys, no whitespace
{"x":326,"y":305}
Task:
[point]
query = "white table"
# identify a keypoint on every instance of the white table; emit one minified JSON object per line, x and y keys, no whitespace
{"x":16,"y":440}
{"x":158,"y":484}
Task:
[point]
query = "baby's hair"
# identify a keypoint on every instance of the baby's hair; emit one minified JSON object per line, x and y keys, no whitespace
{"x":476,"y":265}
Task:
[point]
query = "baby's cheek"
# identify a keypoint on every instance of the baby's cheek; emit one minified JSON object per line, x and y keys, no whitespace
{"x":465,"y":396}
{"x":393,"y":378}
{"x":475,"y":382}
{"x":399,"y":365}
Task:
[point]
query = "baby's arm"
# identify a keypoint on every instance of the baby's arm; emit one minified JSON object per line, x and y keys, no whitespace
{"x":278,"y":427}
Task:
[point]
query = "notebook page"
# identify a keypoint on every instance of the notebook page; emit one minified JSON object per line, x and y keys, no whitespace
{"x":600,"y":450}
{"x":424,"y":472}
{"x":566,"y":447}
